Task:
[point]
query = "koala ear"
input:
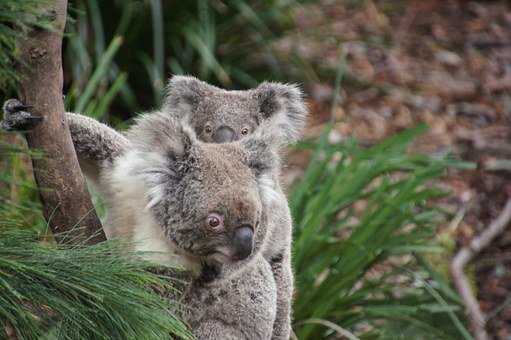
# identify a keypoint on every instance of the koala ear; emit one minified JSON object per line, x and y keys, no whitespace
{"x":282,"y":109}
{"x":163,"y":134}
{"x":160,"y":153}
{"x":184,"y":93}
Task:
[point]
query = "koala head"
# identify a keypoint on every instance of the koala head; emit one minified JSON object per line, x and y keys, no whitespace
{"x":222,"y":116}
{"x":208,"y":198}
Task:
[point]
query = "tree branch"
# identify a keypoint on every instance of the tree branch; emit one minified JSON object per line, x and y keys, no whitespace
{"x":464,"y":256}
{"x":66,"y":202}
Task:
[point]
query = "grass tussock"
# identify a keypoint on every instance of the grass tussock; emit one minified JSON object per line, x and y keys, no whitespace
{"x":95,"y":292}
{"x":364,"y":218}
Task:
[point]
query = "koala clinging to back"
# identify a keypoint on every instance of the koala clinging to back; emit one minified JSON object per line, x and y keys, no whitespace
{"x":217,"y":116}
{"x":220,"y":116}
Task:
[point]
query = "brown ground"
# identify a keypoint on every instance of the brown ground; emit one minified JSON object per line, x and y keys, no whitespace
{"x":446,"y":63}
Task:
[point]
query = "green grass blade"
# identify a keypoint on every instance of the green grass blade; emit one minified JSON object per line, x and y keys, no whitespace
{"x":99,"y":73}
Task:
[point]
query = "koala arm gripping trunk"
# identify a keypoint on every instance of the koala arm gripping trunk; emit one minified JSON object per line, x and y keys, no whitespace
{"x":96,"y":144}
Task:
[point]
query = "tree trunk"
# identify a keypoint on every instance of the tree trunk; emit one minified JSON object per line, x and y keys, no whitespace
{"x":66,"y":201}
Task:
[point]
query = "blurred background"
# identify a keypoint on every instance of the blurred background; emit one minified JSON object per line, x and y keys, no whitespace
{"x":381,"y":203}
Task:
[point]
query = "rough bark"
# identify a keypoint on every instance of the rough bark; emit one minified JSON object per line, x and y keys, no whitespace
{"x":66,"y":201}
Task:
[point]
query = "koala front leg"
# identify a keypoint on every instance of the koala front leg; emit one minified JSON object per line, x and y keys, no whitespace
{"x":96,"y":144}
{"x":283,"y":275}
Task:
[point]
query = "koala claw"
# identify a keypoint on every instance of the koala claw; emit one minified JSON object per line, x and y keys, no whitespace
{"x":17,"y":117}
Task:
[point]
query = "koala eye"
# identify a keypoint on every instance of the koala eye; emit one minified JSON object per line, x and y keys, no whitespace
{"x":208,"y":128}
{"x":215,"y":222}
{"x":244,"y":131}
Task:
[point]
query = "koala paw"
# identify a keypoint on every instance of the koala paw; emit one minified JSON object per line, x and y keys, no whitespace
{"x":17,"y":117}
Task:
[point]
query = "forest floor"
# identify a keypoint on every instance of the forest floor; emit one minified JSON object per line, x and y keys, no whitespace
{"x":445,"y":63}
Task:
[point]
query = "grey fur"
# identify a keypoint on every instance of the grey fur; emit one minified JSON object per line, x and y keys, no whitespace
{"x":96,"y":144}
{"x":176,"y":181}
{"x":235,"y":309}
{"x":272,"y":113}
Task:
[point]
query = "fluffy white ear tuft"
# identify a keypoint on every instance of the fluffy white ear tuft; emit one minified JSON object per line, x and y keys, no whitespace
{"x":161,"y":147}
{"x":282,"y":109}
{"x":161,"y":133}
{"x":184,"y":93}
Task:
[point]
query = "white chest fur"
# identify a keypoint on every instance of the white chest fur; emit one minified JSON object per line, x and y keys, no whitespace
{"x":130,"y":218}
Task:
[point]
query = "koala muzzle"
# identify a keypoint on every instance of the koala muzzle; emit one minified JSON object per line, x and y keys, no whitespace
{"x":243,"y":241}
{"x":224,"y":134}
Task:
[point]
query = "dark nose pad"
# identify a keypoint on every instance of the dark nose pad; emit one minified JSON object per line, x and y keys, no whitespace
{"x":224,"y":134}
{"x":243,"y":241}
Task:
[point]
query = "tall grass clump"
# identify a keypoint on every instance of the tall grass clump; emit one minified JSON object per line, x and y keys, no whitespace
{"x":365,"y":218}
{"x":89,"y":292}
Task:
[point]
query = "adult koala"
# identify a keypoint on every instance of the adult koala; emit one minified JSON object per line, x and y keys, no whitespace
{"x":206,"y":208}
{"x":216,"y":116}
{"x":212,"y":203}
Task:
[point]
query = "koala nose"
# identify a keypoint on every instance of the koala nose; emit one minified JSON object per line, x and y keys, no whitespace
{"x":224,"y":134}
{"x":243,"y":241}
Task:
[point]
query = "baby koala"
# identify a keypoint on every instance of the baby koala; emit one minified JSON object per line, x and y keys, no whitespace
{"x":216,"y":116}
